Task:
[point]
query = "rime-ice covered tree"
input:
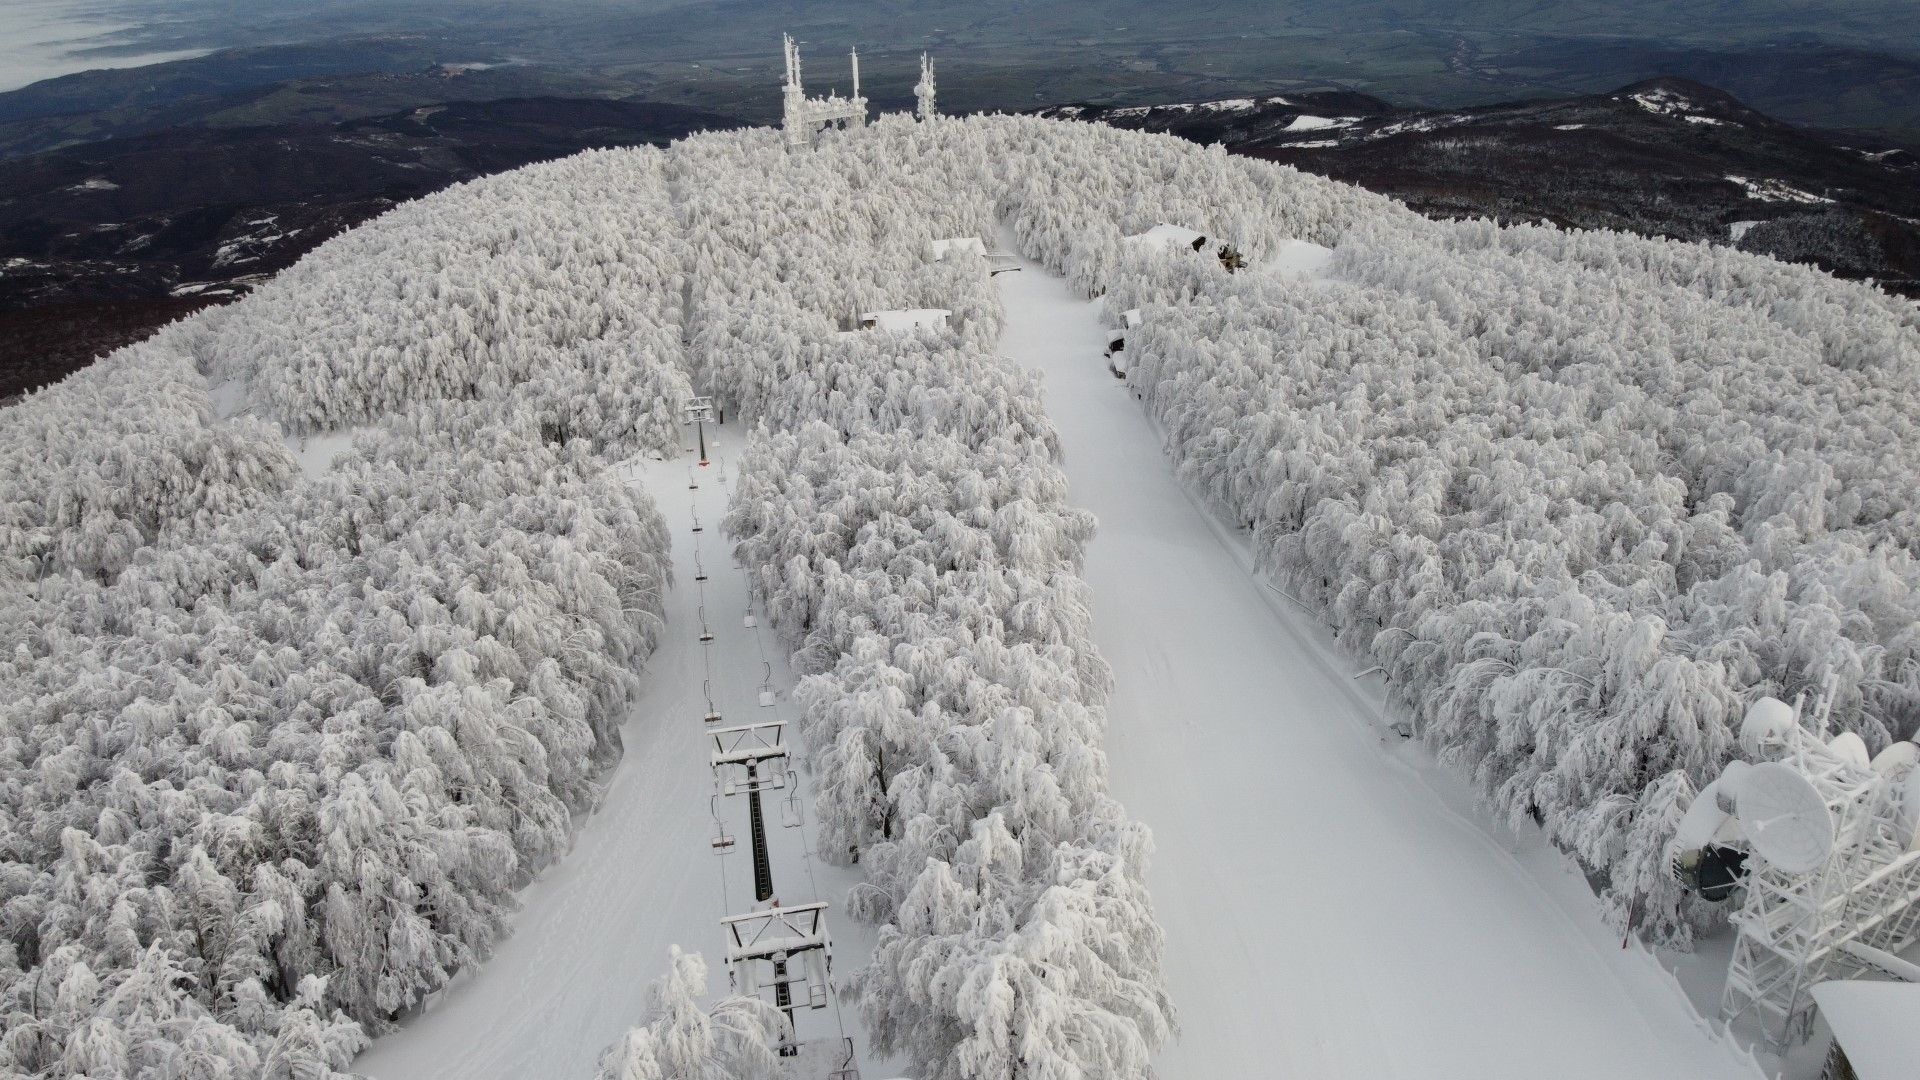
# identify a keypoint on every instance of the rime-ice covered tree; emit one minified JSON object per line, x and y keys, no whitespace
{"x":683,"y":1039}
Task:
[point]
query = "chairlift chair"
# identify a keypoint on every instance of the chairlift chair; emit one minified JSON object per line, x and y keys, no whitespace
{"x":847,"y":1069}
{"x":722,"y":839}
{"x":790,"y":812}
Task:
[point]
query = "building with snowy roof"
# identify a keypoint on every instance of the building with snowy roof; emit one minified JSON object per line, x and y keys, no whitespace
{"x":905,"y":320}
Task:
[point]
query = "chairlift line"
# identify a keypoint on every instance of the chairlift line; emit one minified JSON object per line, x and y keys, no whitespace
{"x":766,"y":956}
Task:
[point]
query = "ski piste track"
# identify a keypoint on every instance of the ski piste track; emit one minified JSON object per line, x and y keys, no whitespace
{"x":1332,"y":908}
{"x":1333,"y":904}
{"x":593,"y":931}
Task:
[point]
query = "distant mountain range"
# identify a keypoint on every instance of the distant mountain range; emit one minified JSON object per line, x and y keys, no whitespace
{"x":1665,"y":157}
{"x":102,"y":242}
{"x":146,"y":200}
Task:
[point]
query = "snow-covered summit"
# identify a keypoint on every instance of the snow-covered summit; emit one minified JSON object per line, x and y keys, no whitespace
{"x":281,"y":747}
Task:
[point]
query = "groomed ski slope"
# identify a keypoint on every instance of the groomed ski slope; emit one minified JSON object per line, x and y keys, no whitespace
{"x":1333,"y":905}
{"x":593,"y":931}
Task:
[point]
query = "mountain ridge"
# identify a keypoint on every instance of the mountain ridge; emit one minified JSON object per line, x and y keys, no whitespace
{"x":1666,"y":156}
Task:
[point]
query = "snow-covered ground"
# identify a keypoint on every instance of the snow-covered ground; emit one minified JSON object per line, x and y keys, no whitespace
{"x":594,"y":929}
{"x":314,"y":452}
{"x":1334,"y":905}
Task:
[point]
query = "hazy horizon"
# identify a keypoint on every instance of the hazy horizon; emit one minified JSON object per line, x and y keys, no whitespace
{"x":44,"y":39}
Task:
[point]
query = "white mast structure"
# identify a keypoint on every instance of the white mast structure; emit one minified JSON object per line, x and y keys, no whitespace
{"x":1823,"y":843}
{"x":804,"y":117}
{"x":923,"y":90}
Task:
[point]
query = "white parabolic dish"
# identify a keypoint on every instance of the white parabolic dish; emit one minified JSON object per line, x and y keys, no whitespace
{"x":1784,"y":818}
{"x":1768,"y":718}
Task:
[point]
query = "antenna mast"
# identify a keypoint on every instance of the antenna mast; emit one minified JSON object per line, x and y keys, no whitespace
{"x":805,"y":117}
{"x":923,"y":90}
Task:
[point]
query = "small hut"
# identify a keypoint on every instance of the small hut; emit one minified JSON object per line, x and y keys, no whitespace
{"x":905,"y":320}
{"x":1164,"y":233}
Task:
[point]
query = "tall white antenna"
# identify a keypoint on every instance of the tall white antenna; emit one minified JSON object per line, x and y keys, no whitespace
{"x":803,"y":117}
{"x":923,"y":90}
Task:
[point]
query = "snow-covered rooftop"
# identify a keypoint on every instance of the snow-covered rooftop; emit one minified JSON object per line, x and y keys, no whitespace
{"x":958,"y":243}
{"x":1163,"y":232}
{"x":1299,"y":257}
{"x":908,"y":319}
{"x":1876,"y":1023}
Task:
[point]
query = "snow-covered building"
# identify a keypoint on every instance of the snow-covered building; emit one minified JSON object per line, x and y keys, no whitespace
{"x":939,"y":248}
{"x":1164,"y":233}
{"x":1876,"y":1029}
{"x":1117,"y":343}
{"x":803,"y":117}
{"x":905,"y":320}
{"x":998,"y":261}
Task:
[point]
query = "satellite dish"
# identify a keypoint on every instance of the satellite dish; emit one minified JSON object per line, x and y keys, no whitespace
{"x":1896,"y":759}
{"x":1768,"y":718}
{"x":1852,"y":748}
{"x":1784,"y":818}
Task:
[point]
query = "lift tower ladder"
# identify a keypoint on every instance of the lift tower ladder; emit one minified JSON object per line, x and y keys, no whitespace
{"x":785,"y":950}
{"x":747,"y":760}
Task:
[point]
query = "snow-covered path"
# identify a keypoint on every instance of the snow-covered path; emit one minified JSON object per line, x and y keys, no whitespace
{"x":1334,"y":907}
{"x":594,"y":929}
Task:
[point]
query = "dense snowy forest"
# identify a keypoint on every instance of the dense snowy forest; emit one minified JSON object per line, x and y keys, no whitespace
{"x":278,"y":744}
{"x":279,"y":749}
{"x":912,"y":537}
{"x":1583,"y":495}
